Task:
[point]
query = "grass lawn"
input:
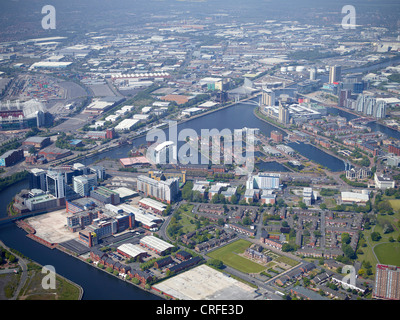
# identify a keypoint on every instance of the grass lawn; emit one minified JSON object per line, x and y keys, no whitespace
{"x":229,"y":255}
{"x":186,"y":217}
{"x":388,"y":253}
{"x":395,"y":204}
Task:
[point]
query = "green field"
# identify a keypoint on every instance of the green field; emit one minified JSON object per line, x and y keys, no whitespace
{"x":395,"y":204}
{"x":388,"y":253}
{"x":229,"y":255}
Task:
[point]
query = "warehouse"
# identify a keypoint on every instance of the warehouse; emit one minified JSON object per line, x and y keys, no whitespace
{"x":147,"y":220}
{"x":37,"y":142}
{"x":156,"y":206}
{"x":129,"y":250}
{"x":355,"y":197}
{"x":54,"y":153}
{"x":11,"y":157}
{"x":126,"y":124}
{"x":157,"y":245}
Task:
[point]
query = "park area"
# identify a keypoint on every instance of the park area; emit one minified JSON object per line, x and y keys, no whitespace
{"x":230,"y":256}
{"x":388,"y":253}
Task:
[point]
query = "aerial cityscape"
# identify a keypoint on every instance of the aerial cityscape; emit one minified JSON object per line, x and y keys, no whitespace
{"x":200,"y":150}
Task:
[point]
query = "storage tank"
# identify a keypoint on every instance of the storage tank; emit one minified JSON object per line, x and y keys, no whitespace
{"x":283,"y":69}
{"x":290,"y":68}
{"x":300,"y":68}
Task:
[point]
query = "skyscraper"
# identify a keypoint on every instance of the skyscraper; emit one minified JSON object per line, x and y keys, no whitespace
{"x":380,"y":109}
{"x":83,"y":184}
{"x":335,"y":74}
{"x":284,"y":114}
{"x":313,"y":74}
{"x":55,"y":184}
{"x":37,"y":179}
{"x":268,"y":97}
{"x":387,"y":282}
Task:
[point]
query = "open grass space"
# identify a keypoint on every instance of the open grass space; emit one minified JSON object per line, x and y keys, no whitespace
{"x":229,"y":255}
{"x":395,"y":203}
{"x":388,"y":253}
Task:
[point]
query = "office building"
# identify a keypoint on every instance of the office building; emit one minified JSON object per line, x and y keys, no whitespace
{"x":264,"y":181}
{"x":383,"y":182}
{"x":335,"y":74}
{"x":387,"y":282}
{"x":55,"y":183}
{"x":84,"y":184}
{"x":105,"y":195}
{"x":43,"y":202}
{"x":37,"y":179}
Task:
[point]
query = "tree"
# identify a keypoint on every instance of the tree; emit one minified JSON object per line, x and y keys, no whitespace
{"x":247,"y":221}
{"x":346,"y":238}
{"x":234,"y":199}
{"x":348,"y":251}
{"x":215,"y":263}
{"x":286,"y":247}
{"x":375,"y":236}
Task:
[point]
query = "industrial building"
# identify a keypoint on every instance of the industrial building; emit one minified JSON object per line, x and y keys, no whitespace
{"x":53,"y":153}
{"x":156,"y":206}
{"x":355,"y":197}
{"x":132,"y":251}
{"x":146,"y":219}
{"x":155,"y":244}
{"x":37,"y":142}
{"x":126,"y":125}
{"x":11,"y":157}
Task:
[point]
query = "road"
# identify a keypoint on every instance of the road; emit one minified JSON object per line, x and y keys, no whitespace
{"x":24,"y":275}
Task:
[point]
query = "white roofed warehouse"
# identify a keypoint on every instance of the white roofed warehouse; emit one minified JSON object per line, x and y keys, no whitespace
{"x":130,"y":250}
{"x":157,"y":245}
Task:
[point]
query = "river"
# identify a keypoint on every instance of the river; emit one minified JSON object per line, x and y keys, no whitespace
{"x":96,"y":284}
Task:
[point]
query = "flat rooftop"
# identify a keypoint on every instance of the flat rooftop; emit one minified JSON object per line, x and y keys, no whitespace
{"x":205,"y":283}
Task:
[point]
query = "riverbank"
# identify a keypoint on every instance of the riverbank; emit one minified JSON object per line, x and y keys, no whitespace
{"x":23,"y":262}
{"x":30,"y":233}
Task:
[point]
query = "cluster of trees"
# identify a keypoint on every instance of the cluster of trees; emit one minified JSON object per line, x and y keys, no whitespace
{"x":346,"y":248}
{"x":10,"y":145}
{"x":6,"y":256}
{"x":14,"y":178}
{"x":383,"y":206}
{"x":63,"y":142}
{"x":328,"y":192}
